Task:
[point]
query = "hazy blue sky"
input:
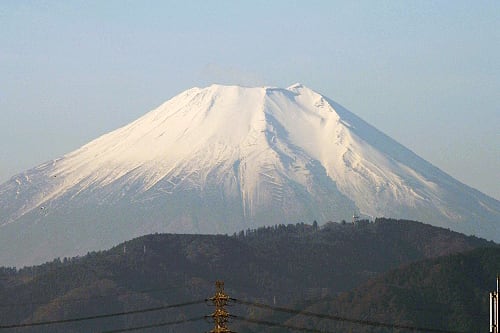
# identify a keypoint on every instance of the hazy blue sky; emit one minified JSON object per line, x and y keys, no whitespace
{"x":427,"y":73}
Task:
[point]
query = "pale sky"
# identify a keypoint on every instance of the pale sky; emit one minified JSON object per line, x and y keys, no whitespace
{"x":427,"y":73}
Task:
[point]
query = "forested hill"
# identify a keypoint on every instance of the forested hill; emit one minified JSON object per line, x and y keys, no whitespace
{"x":449,"y":293}
{"x":287,"y":265}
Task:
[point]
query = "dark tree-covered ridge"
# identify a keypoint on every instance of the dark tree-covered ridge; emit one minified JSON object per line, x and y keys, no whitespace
{"x":293,"y":265}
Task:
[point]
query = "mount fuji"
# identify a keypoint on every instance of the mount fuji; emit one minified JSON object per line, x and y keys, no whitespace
{"x":223,"y":159}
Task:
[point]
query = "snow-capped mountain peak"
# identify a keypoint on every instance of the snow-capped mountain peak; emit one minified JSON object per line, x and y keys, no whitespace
{"x":225,"y":158}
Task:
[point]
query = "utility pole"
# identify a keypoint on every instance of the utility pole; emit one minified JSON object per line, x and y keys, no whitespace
{"x":220,"y":315}
{"x":494,"y":305}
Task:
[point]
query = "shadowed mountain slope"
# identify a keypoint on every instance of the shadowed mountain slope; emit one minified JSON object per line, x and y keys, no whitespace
{"x":292,"y":265}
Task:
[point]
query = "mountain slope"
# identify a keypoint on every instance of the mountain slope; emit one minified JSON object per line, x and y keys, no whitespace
{"x":291,"y":264}
{"x":226,"y":158}
{"x":447,"y":293}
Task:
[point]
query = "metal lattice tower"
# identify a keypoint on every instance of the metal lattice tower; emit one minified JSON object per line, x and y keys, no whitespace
{"x":220,"y":316}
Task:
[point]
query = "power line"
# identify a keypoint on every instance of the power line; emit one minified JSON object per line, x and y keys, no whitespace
{"x":273,"y":324}
{"x":116,"y":314}
{"x":154,"y":325}
{"x":255,"y":321}
{"x":71,"y":300}
{"x":343,"y":319}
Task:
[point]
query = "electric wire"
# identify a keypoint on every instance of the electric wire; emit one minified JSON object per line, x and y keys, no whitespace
{"x":238,"y":301}
{"x":274,"y":324}
{"x":109,"y":315}
{"x":176,"y":322}
{"x":343,"y":319}
{"x":79,"y":299}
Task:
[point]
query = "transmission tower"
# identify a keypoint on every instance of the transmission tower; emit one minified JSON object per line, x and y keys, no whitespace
{"x":220,"y":315}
